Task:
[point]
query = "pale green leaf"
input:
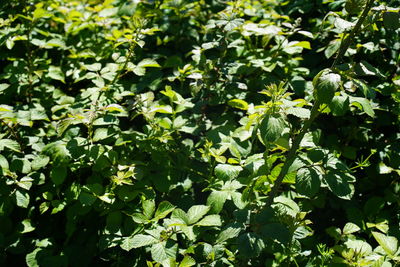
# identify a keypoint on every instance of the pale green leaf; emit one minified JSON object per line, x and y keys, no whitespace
{"x":210,"y":220}
{"x":388,"y":243}
{"x":227,"y":172}
{"x":196,"y":212}
{"x":238,"y":103}
{"x":137,"y":241}
{"x":350,"y":228}
{"x":164,"y":208}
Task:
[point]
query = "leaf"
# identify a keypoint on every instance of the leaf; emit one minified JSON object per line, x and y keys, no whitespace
{"x":307,"y":182}
{"x":187,"y":262}
{"x":350,"y":228}
{"x":365,"y":69}
{"x":238,"y":103}
{"x":271,"y":128}
{"x":339,"y":105}
{"x":163,"y":251}
{"x":325,"y":84}
{"x":250,"y":245}
{"x":148,"y":208}
{"x":301,"y":113}
{"x":39,"y":162}
{"x":180,"y":217}
{"x":102,"y":133}
{"x":27,"y":226}
{"x":362,"y":248}
{"x":57,"y":152}
{"x":365,"y":104}
{"x":21,"y":198}
{"x":10,"y":144}
{"x":391,"y":20}
{"x":56,"y":73}
{"x":227,"y":172}
{"x":138,"y":241}
{"x":148,"y":62}
{"x":343,"y":25}
{"x":210,"y":220}
{"x":58,"y":174}
{"x":164,"y":208}
{"x":332,"y":48}
{"x":196,"y":212}
{"x":338,"y":184}
{"x":216,"y":200}
{"x":388,"y":243}
{"x":228,"y":233}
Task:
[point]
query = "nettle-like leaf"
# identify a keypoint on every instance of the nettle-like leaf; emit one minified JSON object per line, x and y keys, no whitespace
{"x":227,"y":171}
{"x":308,"y":181}
{"x":271,"y":128}
{"x":195,"y":217}
{"x":388,"y":243}
{"x":325,"y":84}
{"x":138,"y":241}
{"x":228,"y":191}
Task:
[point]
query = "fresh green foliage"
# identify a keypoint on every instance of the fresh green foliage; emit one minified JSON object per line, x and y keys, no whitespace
{"x":199,"y":133}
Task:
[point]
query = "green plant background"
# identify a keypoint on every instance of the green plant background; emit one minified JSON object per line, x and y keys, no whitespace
{"x":199,"y":133}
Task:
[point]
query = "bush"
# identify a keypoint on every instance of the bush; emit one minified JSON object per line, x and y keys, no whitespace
{"x":183,"y":133}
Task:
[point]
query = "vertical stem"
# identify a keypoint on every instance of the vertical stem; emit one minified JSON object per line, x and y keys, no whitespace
{"x":347,"y":41}
{"x":292,"y":153}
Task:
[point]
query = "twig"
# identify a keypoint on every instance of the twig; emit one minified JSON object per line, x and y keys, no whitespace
{"x":292,"y":153}
{"x":347,"y":41}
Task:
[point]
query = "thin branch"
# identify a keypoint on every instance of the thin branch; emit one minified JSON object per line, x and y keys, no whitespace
{"x":347,"y":41}
{"x":292,"y":153}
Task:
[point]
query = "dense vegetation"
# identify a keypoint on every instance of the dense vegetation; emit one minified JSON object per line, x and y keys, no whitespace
{"x":199,"y":133}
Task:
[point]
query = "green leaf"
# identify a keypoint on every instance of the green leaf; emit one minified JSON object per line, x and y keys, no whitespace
{"x":138,"y":241}
{"x":307,"y":182}
{"x":339,"y":185}
{"x":238,"y":103}
{"x":57,"y":152}
{"x":58,"y":174}
{"x":365,"y":69}
{"x":187,"y":262}
{"x":196,"y":212}
{"x":362,"y":248}
{"x":21,"y":198}
{"x":163,"y":251}
{"x":148,"y":208}
{"x":216,"y":200}
{"x":325,"y":84}
{"x":10,"y":144}
{"x":26,"y":226}
{"x":102,"y":133}
{"x":180,"y":216}
{"x":210,"y":220}
{"x":365,"y":105}
{"x":388,"y":243}
{"x":39,"y":162}
{"x":271,"y":128}
{"x":227,"y":172}
{"x":148,"y":62}
{"x":228,"y":233}
{"x":31,"y":259}
{"x":339,"y":105}
{"x":56,"y":74}
{"x":250,"y":245}
{"x":164,"y":208}
{"x":301,"y":113}
{"x":391,"y":20}
{"x":350,"y":228}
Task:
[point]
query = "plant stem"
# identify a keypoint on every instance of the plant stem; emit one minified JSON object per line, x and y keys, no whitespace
{"x":315,"y":110}
{"x":347,"y":41}
{"x":292,"y":153}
